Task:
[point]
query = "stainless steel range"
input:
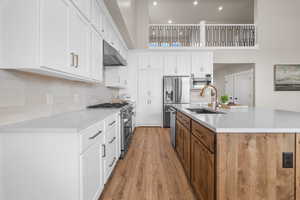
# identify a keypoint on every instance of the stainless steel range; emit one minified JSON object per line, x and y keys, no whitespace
{"x":126,"y":122}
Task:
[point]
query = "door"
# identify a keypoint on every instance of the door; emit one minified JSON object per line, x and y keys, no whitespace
{"x":229,"y":85}
{"x":202,"y":170}
{"x":79,"y":43}
{"x":55,"y":35}
{"x":91,"y":173}
{"x":170,"y":65}
{"x":150,"y":60}
{"x":186,"y":151}
{"x":202,"y":64}
{"x":96,"y":70}
{"x":243,"y":89}
{"x":179,"y":141}
{"x":184,"y":64}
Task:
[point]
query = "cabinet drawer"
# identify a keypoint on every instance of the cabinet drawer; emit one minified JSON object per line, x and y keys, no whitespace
{"x":91,"y":135}
{"x":111,"y":122}
{"x":206,"y":136}
{"x":186,"y":121}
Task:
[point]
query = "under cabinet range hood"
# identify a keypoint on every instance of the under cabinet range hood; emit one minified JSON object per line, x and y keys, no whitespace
{"x":111,"y":57}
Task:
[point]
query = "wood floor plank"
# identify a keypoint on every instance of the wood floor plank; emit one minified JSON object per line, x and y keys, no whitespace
{"x":150,"y":170}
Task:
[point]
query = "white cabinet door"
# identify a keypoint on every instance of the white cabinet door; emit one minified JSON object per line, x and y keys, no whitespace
{"x":96,"y":70}
{"x":91,"y":173}
{"x":55,"y":35}
{"x":111,"y":147}
{"x":151,"y":60}
{"x":184,"y":64}
{"x":79,"y":43}
{"x":202,"y":63}
{"x":170,"y":64}
{"x":84,"y":6}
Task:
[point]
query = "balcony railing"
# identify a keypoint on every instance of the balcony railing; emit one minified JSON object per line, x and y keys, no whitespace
{"x":202,"y":35}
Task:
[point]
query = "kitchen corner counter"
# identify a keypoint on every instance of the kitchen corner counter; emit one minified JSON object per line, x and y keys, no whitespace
{"x":250,"y":120}
{"x":70,"y":122}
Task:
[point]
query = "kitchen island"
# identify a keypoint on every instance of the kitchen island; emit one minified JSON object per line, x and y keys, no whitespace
{"x":240,"y":154}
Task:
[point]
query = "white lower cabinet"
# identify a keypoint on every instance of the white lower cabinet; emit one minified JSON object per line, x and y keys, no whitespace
{"x":111,"y":142}
{"x":59,"y":165}
{"x":91,"y":164}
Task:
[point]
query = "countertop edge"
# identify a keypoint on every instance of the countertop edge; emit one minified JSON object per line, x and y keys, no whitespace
{"x":68,"y":130}
{"x":241,"y":130}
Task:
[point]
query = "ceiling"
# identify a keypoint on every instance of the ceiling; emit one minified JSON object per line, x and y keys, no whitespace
{"x":184,"y":12}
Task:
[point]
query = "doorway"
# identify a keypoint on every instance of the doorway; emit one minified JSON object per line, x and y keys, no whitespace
{"x":236,"y":81}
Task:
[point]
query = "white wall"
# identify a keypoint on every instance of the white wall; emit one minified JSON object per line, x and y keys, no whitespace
{"x":25,"y":96}
{"x":279,"y":42}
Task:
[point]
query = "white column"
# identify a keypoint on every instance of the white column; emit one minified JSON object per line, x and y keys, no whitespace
{"x":202,"y":33}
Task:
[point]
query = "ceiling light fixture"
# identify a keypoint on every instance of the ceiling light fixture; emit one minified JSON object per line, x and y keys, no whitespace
{"x":170,"y":21}
{"x":155,"y":3}
{"x":220,"y":8}
{"x":195,"y":3}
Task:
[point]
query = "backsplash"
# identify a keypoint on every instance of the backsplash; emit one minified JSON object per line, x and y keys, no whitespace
{"x":25,"y":96}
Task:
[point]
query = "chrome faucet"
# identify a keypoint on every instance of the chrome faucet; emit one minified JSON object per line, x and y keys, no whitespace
{"x":215,"y":94}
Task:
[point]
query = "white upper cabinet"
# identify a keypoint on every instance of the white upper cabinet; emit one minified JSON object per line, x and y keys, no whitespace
{"x":177,"y":64}
{"x":79,"y":44}
{"x":184,"y":64}
{"x":96,"y":70}
{"x":151,"y":60}
{"x":52,"y":37}
{"x":202,"y":63}
{"x":55,"y":36}
{"x":170,"y":64}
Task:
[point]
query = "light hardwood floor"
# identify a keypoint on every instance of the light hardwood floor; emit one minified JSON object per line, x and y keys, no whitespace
{"x":150,"y":171}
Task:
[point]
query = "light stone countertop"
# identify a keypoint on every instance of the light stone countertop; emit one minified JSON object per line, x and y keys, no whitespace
{"x":246,"y":120}
{"x":70,"y":122}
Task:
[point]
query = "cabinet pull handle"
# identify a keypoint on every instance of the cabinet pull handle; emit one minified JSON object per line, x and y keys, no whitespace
{"x":94,"y":136}
{"x":112,"y":140}
{"x":72,"y":59}
{"x":104,"y":151}
{"x":112,"y":163}
{"x":112,"y":123}
{"x":77,"y":61}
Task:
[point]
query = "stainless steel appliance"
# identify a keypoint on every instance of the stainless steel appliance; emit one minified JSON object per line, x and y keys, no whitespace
{"x":173,"y":126}
{"x":112,"y":57}
{"x":199,"y":83}
{"x":126,"y":129}
{"x":176,"y":90}
{"x":126,"y":123}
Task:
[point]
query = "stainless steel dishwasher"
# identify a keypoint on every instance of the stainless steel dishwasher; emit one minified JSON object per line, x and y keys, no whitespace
{"x":173,"y":125}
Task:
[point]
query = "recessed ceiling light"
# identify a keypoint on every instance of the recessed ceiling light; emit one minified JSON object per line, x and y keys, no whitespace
{"x":195,"y":3}
{"x":220,"y":8}
{"x":170,"y":21}
{"x":155,"y":3}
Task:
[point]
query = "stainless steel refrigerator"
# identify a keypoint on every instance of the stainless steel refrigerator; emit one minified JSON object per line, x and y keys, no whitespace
{"x":176,"y":90}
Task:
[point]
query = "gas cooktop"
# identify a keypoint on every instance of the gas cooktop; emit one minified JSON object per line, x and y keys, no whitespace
{"x":108,"y":105}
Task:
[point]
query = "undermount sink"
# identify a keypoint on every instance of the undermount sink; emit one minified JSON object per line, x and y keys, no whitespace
{"x":204,"y":111}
